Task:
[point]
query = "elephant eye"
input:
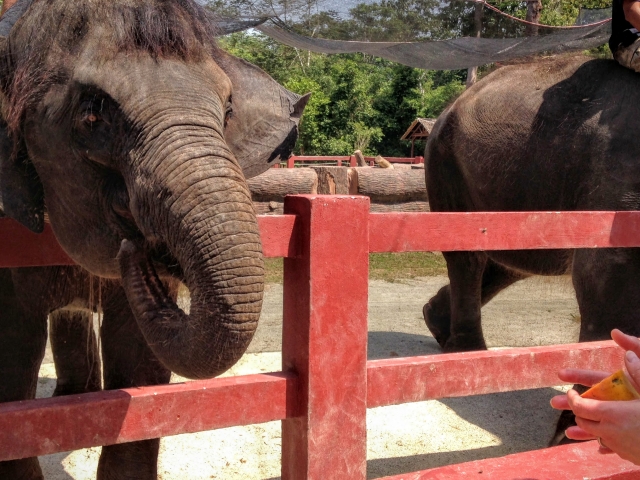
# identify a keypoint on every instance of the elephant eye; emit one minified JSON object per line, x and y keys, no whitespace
{"x":91,"y":118}
{"x":228,"y":111}
{"x":92,"y":111}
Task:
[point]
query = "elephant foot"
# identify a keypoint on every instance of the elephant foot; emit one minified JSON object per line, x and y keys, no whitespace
{"x":464,"y":342}
{"x":438,"y":325}
{"x":63,"y":389}
{"x":567,"y":419}
{"x":135,"y":460}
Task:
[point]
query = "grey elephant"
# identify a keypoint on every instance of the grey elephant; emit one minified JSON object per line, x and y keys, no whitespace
{"x":553,"y":135}
{"x":132,"y":132}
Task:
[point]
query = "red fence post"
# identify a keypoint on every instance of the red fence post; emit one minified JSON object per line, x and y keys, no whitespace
{"x":325,"y":338}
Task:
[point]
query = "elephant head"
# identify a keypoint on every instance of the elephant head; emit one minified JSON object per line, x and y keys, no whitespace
{"x":126,"y":124}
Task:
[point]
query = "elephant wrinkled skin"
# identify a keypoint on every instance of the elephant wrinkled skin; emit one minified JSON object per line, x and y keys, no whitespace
{"x":553,"y":135}
{"x":133,"y":132}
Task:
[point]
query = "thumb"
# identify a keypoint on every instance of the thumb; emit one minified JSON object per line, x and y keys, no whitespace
{"x":632,"y":362}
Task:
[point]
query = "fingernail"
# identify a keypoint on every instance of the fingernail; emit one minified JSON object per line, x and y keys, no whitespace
{"x":632,"y":357}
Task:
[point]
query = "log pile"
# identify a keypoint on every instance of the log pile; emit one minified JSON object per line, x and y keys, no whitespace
{"x":269,"y":189}
{"x":390,"y":189}
{"x":333,"y":180}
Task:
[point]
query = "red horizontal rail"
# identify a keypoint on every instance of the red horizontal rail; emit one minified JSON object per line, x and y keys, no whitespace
{"x":44,"y":426}
{"x":23,"y":248}
{"x":313,"y":158}
{"x":405,"y":232}
{"x":350,"y":158}
{"x":567,"y":462}
{"x":310,"y":159}
{"x":49,"y":425}
{"x":412,"y":379}
{"x":395,"y":232}
{"x":412,"y":160}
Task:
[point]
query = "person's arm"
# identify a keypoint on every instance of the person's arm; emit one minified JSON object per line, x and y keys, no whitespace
{"x":631,"y":12}
{"x":6,"y":5}
{"x":617,"y":424}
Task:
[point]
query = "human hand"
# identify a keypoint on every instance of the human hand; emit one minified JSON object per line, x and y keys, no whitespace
{"x":617,"y":424}
{"x":589,"y":378}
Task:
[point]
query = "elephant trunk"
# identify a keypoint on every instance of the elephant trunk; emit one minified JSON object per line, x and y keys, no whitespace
{"x":188,"y":194}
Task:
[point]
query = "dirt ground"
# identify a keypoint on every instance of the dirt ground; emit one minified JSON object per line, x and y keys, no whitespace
{"x":403,"y":438}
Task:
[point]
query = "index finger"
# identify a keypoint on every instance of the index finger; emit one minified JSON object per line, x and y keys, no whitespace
{"x":583,"y":377}
{"x":587,"y":408}
{"x":626,"y":342}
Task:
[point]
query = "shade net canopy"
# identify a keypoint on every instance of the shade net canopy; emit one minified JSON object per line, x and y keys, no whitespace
{"x":428,"y":34}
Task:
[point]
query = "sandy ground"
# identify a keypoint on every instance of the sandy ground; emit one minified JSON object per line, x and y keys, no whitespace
{"x":404,"y":438}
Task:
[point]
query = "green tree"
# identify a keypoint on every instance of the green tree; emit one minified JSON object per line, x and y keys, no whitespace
{"x":360,"y":101}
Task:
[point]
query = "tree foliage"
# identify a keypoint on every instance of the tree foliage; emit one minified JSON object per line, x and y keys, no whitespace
{"x":358,"y":101}
{"x":364,"y":102}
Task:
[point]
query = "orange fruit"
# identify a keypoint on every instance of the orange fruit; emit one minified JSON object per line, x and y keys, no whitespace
{"x":615,"y":387}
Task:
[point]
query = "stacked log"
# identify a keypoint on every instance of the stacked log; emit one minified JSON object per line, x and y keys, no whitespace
{"x":391,"y":190}
{"x":332,"y":180}
{"x":269,"y":188}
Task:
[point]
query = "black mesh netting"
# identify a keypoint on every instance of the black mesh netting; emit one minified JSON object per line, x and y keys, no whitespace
{"x":429,"y":34}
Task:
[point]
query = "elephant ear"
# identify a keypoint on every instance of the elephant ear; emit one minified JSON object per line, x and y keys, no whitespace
{"x":263,"y":127}
{"x":21,"y":192}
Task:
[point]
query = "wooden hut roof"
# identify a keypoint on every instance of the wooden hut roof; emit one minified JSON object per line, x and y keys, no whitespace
{"x":420,"y":128}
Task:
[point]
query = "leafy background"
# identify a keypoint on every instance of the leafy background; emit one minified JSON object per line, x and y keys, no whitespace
{"x":364,"y":102}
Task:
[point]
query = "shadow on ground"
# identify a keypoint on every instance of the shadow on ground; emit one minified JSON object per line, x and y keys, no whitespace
{"x":519,"y":421}
{"x":400,"y":344}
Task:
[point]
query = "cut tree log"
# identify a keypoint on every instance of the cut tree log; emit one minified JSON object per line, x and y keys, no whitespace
{"x":389,"y":186}
{"x":382,"y":162}
{"x":400,"y":207}
{"x":269,"y":208}
{"x":390,"y":190}
{"x":332,"y":180}
{"x":360,"y":159}
{"x":274,"y":184}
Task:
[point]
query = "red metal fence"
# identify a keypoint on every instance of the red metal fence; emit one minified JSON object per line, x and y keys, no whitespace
{"x":327,"y":384}
{"x":350,"y":160}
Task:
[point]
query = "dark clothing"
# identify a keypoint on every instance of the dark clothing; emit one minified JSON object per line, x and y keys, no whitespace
{"x":622,"y":32}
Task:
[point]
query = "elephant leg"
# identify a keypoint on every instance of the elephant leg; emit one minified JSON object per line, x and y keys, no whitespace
{"x":127,"y":362}
{"x":607,"y":285}
{"x":465,"y":288}
{"x":22,"y":346}
{"x":437,"y":313}
{"x":75,"y":352}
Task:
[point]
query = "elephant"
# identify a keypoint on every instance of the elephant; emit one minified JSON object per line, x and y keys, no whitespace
{"x":126,"y":128}
{"x":70,"y":295}
{"x":555,"y":134}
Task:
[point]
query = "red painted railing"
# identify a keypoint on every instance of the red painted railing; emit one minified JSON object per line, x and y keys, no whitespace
{"x":350,"y":160}
{"x":326,"y":384}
